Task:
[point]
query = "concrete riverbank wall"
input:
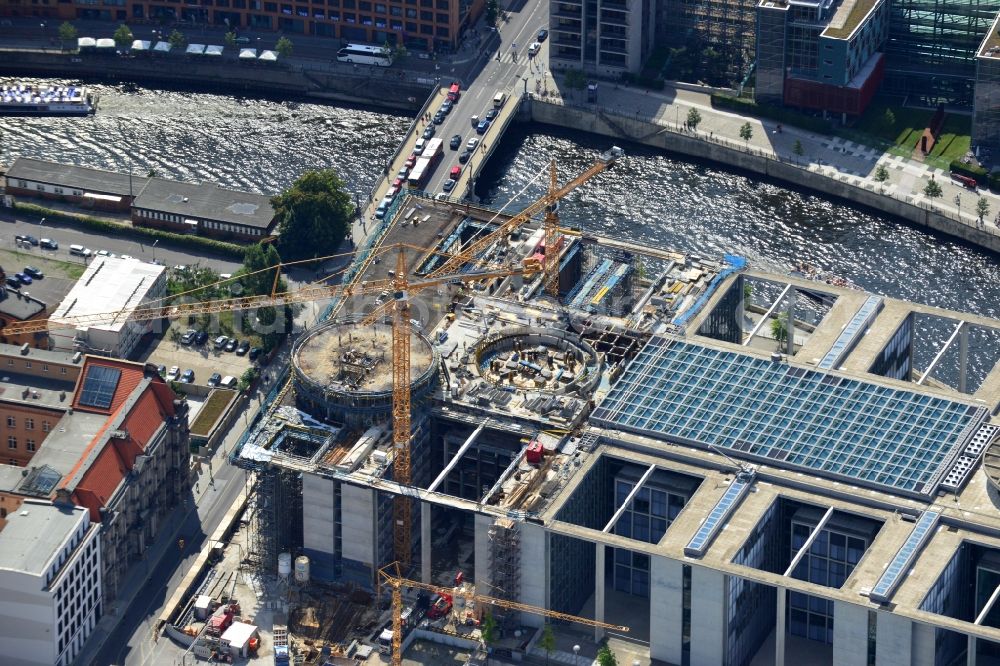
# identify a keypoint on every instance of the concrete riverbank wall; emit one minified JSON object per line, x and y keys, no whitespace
{"x":852,"y":189}
{"x":225,"y":76}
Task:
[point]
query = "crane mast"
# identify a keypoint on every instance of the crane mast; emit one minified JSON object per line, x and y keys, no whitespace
{"x":401,"y":504}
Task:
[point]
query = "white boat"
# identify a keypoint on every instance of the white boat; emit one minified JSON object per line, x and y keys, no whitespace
{"x":26,"y":100}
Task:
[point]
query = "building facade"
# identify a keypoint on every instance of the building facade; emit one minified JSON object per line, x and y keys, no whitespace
{"x":986,"y":104}
{"x":726,"y":27}
{"x":204,"y":209}
{"x":602,"y":37}
{"x":50,"y":584}
{"x":430,"y":25}
{"x":80,"y":186}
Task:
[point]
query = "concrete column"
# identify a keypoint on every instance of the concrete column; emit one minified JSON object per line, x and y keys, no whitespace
{"x":924,"y":637}
{"x":780,"y":630}
{"x":534,"y":571}
{"x":970,"y":655}
{"x":963,"y":358}
{"x":708,"y":617}
{"x":481,"y":544}
{"x":850,"y":634}
{"x":790,"y":342}
{"x":425,"y":542}
{"x":599,"y":590}
{"x":894,"y":640}
{"x":666,"y":612}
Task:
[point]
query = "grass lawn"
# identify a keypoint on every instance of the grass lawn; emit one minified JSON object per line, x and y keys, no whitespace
{"x":210,"y":411}
{"x":902,"y":136}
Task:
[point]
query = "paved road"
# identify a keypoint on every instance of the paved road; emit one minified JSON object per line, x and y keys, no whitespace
{"x":66,"y":235}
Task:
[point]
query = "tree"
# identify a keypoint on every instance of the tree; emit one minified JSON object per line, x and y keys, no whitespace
{"x":881,"y":176}
{"x":256,"y":280}
{"x":177,"y":39}
{"x":67,"y":33}
{"x":284,"y":47}
{"x":547,"y":641}
{"x":779,"y":328}
{"x":248,"y":377}
{"x":230,"y":38}
{"x":314,"y":215}
{"x":746,"y":132}
{"x":576,"y":78}
{"x":123,"y":36}
{"x":605,"y":657}
{"x":798,"y":149}
{"x":932,"y":189}
{"x":488,"y":631}
{"x":694,"y":119}
{"x":982,"y":208}
{"x":492,"y":12}
{"x":888,"y":120}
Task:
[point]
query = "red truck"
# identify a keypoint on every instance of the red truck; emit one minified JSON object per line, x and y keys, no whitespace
{"x":440,"y":606}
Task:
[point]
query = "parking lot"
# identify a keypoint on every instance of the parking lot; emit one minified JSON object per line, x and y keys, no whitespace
{"x":59,"y":275}
{"x":203,"y":359}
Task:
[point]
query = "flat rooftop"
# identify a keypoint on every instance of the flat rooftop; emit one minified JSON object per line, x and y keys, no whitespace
{"x":892,"y":439}
{"x":206,"y":201}
{"x":35,"y":391}
{"x":19,"y":306}
{"x":109,"y":285}
{"x":34,"y":534}
{"x":68,"y":440}
{"x":848,"y":17}
{"x":72,"y":176}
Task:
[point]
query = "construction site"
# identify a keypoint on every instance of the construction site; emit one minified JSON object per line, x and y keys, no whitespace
{"x":505,"y":424}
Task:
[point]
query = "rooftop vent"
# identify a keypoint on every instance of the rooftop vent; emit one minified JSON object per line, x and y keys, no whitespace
{"x":25,"y":348}
{"x":77,"y":356}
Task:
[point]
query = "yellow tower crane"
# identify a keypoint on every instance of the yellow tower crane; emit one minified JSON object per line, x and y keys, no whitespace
{"x":391,"y":576}
{"x":401,"y":289}
{"x":548,"y":203}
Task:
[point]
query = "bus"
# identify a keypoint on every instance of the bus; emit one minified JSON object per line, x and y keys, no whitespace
{"x":421,"y":170}
{"x":365,"y":54}
{"x":434,"y":149}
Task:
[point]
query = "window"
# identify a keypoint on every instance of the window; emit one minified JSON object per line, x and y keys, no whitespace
{"x":45,"y":367}
{"x":30,"y":445}
{"x":10,"y":362}
{"x":62,"y":371}
{"x":46,"y":426}
{"x":12,"y":442}
{"x":11,"y":422}
{"x":29,"y":424}
{"x":27,"y":364}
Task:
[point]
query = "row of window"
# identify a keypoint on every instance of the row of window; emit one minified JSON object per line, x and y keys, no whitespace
{"x":12,"y":443}
{"x":28,"y":366}
{"x":29,"y":424}
{"x":41,"y":188}
{"x":233,"y":228}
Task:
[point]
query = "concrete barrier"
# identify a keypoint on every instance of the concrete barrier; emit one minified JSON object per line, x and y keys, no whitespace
{"x":601,"y":122}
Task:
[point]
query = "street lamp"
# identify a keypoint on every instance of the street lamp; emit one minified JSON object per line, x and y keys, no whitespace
{"x":154,"y":249}
{"x":576,"y":654}
{"x":525,"y":79}
{"x":958,"y":202}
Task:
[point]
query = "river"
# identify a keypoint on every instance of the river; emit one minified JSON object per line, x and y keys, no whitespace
{"x":262,"y":145}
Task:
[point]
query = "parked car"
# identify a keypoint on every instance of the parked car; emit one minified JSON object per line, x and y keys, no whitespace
{"x":464,"y":157}
{"x":411,"y":160}
{"x":429,"y":132}
{"x":455,"y":172}
{"x":161,"y":370}
{"x":201,"y":338}
{"x":254,"y":353}
{"x":492,"y":113}
{"x":418,"y":147}
{"x":173,"y":373}
{"x":543,"y":34}
{"x":472,"y":143}
{"x":439,"y":117}
{"x":33,"y":272}
{"x":243,"y":348}
{"x":22,"y":278}
{"x":105,"y":253}
{"x":534,"y":49}
{"x":231,"y":345}
{"x":189,"y":336}
{"x":402,"y":174}
{"x":12,"y":283}
{"x":48,"y":244}
{"x":30,"y":240}
{"x":221,"y":341}
{"x":455,"y":142}
{"x":448,"y":185}
{"x":188,"y":376}
{"x":483,"y":126}
{"x":447,"y":106}
{"x":214,"y":379}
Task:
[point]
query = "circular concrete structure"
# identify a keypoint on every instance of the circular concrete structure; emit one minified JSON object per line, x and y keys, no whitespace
{"x":535,"y":359}
{"x":343,"y":371}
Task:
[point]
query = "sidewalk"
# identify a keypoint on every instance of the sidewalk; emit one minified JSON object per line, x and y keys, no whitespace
{"x":832,"y":156}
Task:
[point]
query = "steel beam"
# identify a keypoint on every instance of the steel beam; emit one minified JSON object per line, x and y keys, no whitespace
{"x":628,"y":500}
{"x":809,"y":542}
{"x":767,"y":315}
{"x":937,"y":357}
{"x":458,"y":456}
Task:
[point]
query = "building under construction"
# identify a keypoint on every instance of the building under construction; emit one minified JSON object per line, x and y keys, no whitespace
{"x":740,"y":466}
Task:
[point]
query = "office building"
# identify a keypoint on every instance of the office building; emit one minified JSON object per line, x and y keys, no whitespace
{"x":727,"y":27}
{"x":986,"y":104}
{"x":50,"y":584}
{"x":603,"y":37}
{"x":110,"y":284}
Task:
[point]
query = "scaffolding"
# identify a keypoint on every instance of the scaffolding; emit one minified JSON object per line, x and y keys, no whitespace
{"x":505,"y":562}
{"x":275,"y":520}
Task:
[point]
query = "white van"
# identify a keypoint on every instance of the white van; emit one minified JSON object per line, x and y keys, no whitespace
{"x":229,"y":382}
{"x":79,"y":251}
{"x":499,"y":99}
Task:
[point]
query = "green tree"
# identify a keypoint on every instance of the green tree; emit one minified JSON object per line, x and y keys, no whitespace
{"x":982,"y":208}
{"x":576,"y":79}
{"x":932,"y":189}
{"x":881,"y":176}
{"x":67,"y":33}
{"x":314,"y":215}
{"x":492,"y":12}
{"x":256,"y":280}
{"x":488,"y":631}
{"x":123,"y":36}
{"x":779,"y":328}
{"x":694,"y":119}
{"x":798,"y":149}
{"x":746,"y":132}
{"x":547,"y":641}
{"x":888,"y":120}
{"x":605,"y":657}
{"x":248,"y":377}
{"x":230,"y":38}
{"x":284,"y":47}
{"x":177,"y":39}
{"x":713,"y":66}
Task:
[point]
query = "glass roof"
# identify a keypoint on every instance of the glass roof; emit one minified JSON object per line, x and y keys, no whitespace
{"x":893,"y":439}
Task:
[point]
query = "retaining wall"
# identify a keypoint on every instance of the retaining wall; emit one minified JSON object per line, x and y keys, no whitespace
{"x":647,"y":133}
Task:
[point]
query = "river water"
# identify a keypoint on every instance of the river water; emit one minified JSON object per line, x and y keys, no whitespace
{"x":261,"y":145}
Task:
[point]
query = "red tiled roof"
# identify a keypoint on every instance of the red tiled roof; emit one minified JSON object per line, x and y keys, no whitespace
{"x":132,"y":374}
{"x":100,"y":481}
